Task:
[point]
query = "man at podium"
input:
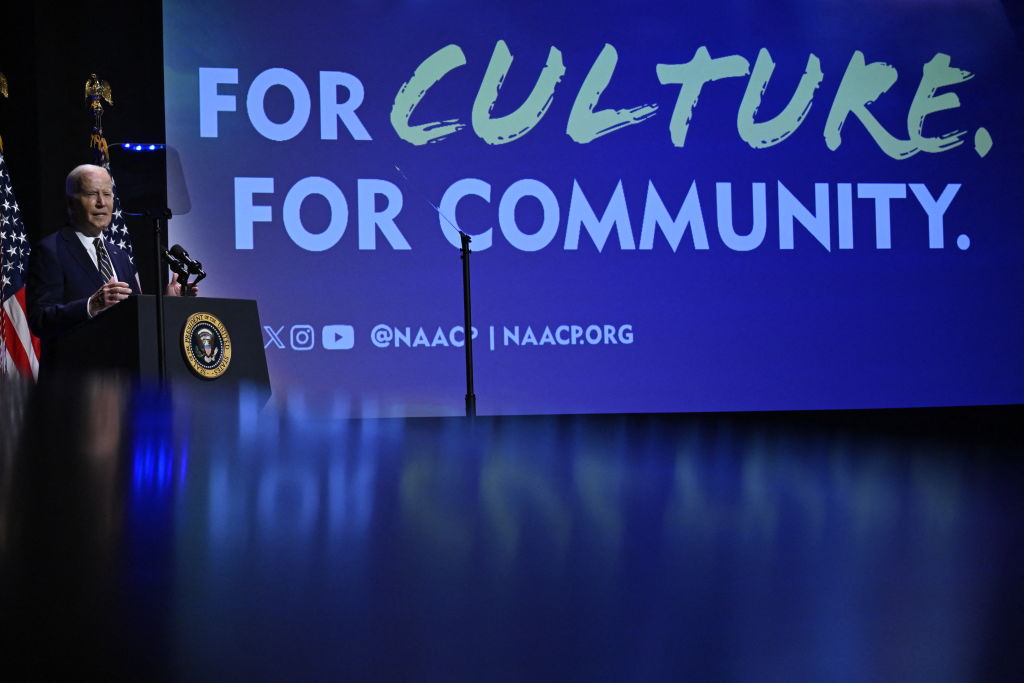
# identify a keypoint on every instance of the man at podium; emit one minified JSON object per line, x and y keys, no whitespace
{"x":74,"y":273}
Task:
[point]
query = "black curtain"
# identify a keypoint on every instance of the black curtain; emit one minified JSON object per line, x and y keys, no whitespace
{"x":47,"y":54}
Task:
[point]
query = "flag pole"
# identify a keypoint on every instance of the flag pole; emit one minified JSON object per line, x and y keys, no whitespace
{"x":19,"y":348}
{"x":97,"y":92}
{"x":3,"y":318}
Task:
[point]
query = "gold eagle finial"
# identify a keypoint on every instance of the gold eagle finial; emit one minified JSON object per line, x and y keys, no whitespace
{"x":95,"y":88}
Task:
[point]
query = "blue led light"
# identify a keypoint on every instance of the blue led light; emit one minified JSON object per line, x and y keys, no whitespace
{"x":142,"y":146}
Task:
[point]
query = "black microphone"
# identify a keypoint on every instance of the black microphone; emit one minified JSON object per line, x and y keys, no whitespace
{"x":194,"y":267}
{"x":176,"y":264}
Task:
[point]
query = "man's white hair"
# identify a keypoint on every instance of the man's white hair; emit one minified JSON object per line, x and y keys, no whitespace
{"x":74,"y":180}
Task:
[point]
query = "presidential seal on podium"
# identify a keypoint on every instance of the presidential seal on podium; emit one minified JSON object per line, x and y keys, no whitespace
{"x":207,"y":345}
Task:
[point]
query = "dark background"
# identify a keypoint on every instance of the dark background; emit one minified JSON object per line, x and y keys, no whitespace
{"x":47,"y":55}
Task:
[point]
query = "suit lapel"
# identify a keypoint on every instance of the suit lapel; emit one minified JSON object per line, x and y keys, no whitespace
{"x":81,"y":256}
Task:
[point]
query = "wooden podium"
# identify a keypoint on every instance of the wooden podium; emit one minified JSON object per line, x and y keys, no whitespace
{"x":124,"y":338}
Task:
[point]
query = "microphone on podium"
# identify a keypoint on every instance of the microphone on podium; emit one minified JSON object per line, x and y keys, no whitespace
{"x":194,"y":267}
{"x":184,"y":265}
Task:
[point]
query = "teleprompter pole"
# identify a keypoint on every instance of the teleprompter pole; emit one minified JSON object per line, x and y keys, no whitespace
{"x":160,"y":218}
{"x":464,"y":253}
{"x":467,"y":325}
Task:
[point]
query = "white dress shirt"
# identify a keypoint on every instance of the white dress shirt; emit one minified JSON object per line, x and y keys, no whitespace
{"x":90,"y":249}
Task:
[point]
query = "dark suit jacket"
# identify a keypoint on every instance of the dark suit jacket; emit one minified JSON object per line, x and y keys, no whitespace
{"x":61,"y":278}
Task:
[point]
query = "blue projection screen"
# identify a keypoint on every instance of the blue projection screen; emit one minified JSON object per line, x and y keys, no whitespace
{"x":674,"y":206}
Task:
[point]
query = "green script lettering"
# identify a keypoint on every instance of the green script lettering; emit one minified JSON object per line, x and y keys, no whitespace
{"x":862,"y":84}
{"x":692,"y":76}
{"x":429,"y":72}
{"x":936,"y":74}
{"x":585,"y":124}
{"x":774,"y":131}
{"x":497,"y":131}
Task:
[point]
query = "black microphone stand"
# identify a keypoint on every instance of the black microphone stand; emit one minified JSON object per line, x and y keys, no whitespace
{"x":160,"y":218}
{"x":181,"y":270}
{"x":467,"y":324}
{"x":184,"y":265}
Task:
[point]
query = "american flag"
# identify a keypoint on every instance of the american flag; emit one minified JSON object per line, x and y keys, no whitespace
{"x":19,"y":349}
{"x":95,"y":92}
{"x":117,"y":231}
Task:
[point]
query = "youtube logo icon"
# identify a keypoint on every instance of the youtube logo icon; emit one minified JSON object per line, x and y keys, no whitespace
{"x":338,"y":337}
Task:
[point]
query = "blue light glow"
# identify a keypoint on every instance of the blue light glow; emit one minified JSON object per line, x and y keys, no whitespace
{"x":142,"y":146}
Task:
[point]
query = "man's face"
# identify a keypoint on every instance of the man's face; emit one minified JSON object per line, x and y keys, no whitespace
{"x":92,"y":204}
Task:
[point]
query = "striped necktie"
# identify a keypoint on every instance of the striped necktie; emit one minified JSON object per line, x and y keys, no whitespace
{"x":106,"y":269}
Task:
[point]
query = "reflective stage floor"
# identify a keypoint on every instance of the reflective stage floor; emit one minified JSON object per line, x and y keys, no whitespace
{"x":151,"y":536}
